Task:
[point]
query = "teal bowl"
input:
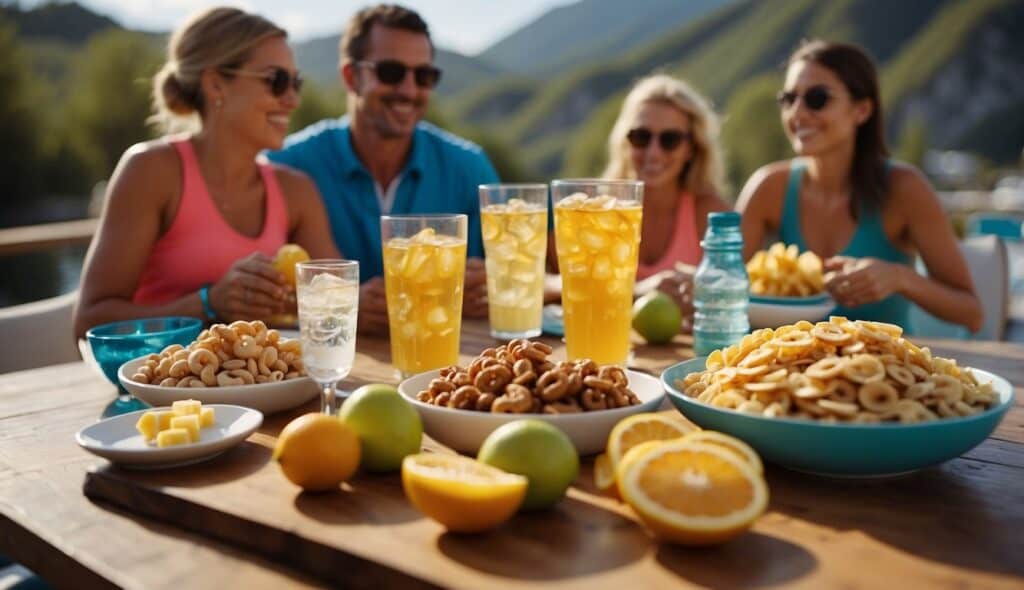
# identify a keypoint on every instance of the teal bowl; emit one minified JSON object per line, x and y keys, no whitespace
{"x":845,"y":450}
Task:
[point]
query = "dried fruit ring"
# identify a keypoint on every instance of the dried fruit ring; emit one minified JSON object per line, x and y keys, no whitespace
{"x":830,"y":333}
{"x":827,"y":368}
{"x":493,"y":379}
{"x":864,"y":368}
{"x":553,"y":386}
{"x":878,"y":396}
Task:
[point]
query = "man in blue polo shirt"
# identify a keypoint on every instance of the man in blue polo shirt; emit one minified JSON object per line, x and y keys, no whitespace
{"x":382,"y":159}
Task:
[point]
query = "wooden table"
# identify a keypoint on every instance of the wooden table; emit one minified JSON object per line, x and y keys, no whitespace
{"x":955,"y":525}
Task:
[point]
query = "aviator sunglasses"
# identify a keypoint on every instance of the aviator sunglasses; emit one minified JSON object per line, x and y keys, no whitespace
{"x":669,"y":140}
{"x":393,"y":72}
{"x":815,"y":98}
{"x":278,"y":80}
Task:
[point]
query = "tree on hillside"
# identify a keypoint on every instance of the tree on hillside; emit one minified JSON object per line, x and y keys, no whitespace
{"x":316,"y":105}
{"x":110,"y":98}
{"x":19,"y":133}
{"x":752,"y":134}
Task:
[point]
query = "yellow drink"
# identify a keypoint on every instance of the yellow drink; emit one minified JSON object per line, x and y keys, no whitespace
{"x":598,"y":240}
{"x":515,"y":239}
{"x":423,"y":279}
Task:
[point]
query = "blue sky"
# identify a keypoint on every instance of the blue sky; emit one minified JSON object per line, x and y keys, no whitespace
{"x":468,"y":26}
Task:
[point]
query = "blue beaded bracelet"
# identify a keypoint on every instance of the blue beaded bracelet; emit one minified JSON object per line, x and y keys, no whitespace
{"x":204,"y":296}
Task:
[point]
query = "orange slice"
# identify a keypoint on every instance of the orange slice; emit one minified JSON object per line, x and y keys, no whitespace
{"x":462,"y":494}
{"x":604,"y":476}
{"x":640,"y":428}
{"x":742,"y":449}
{"x":693,"y":493}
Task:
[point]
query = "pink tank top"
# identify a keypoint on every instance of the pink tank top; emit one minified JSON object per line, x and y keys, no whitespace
{"x":200,"y":246}
{"x":685,"y":243}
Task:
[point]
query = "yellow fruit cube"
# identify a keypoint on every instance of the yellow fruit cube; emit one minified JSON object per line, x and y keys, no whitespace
{"x":206,"y":417}
{"x":172,"y":437}
{"x":190,"y":423}
{"x":151,"y":423}
{"x":187,"y":406}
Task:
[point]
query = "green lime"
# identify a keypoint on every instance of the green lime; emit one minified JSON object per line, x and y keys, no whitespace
{"x":386,"y":423}
{"x":656,"y":317}
{"x":538,"y":450}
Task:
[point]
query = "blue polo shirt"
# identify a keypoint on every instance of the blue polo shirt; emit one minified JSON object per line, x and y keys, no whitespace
{"x":441,"y":175}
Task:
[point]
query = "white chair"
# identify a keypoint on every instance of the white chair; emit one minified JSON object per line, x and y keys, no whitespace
{"x":38,"y":334}
{"x":988,"y":262}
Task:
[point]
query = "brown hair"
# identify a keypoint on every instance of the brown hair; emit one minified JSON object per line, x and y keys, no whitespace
{"x":215,"y":38}
{"x":355,"y":42}
{"x":704,"y":173}
{"x":868,"y":174}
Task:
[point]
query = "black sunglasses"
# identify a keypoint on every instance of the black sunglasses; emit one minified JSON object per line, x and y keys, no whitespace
{"x":393,"y":72}
{"x":277,"y":79}
{"x":815,"y":98}
{"x":669,"y":140}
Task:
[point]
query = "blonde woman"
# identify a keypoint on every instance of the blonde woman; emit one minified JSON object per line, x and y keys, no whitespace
{"x":667,"y":136}
{"x":191,"y":221}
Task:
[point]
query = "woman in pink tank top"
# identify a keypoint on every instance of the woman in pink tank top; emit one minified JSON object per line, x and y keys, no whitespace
{"x":667,"y":136}
{"x":191,"y":221}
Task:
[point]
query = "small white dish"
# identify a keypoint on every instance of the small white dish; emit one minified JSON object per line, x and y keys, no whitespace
{"x":772,"y":312}
{"x":265,"y":397}
{"x":117,"y":440}
{"x":465,"y":430}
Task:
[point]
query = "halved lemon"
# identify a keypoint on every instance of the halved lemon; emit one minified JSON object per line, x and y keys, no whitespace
{"x":742,"y":449}
{"x":693,"y":493}
{"x":461,"y":493}
{"x":640,"y":428}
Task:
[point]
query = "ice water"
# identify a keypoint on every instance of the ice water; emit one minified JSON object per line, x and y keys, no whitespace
{"x":423,"y":279}
{"x":515,"y":239}
{"x":328,"y":308}
{"x":720,"y":287}
{"x":598,"y":241}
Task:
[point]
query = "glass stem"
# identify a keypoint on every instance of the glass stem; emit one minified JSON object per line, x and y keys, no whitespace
{"x":327,"y":399}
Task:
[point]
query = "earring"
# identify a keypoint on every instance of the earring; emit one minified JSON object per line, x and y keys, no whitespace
{"x":219,"y":103}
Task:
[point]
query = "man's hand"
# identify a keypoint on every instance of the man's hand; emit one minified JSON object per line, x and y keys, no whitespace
{"x":373,"y":307}
{"x":474,"y":300}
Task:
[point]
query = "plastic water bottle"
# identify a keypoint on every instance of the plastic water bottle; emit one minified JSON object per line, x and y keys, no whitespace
{"x":721,"y":286}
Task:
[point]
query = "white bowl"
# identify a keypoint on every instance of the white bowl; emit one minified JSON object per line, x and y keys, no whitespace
{"x":465,"y":430}
{"x":772,"y":312}
{"x":265,"y":397}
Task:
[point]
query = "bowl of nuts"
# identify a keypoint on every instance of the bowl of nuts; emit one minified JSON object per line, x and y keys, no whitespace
{"x":461,"y":406}
{"x":244,"y":364}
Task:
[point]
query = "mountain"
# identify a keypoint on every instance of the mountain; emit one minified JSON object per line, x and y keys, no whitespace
{"x":590,"y":31}
{"x":70,"y":23}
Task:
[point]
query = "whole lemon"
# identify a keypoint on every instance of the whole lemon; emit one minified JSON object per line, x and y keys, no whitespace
{"x":656,"y":317}
{"x":286,"y":258}
{"x":538,"y":450}
{"x":387,"y":425}
{"x":317,"y":452}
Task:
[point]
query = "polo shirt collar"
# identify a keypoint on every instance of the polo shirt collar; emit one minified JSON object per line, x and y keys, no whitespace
{"x":351,"y":164}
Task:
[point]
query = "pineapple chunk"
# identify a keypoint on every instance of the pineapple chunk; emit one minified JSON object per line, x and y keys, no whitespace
{"x":172,"y":437}
{"x":151,"y":423}
{"x":187,"y":406}
{"x":206,"y":417}
{"x":189,"y":423}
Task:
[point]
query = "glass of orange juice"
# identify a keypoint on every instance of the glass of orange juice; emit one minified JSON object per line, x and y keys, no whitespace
{"x":514,"y":223}
{"x":597,"y":235}
{"x":424,"y":268}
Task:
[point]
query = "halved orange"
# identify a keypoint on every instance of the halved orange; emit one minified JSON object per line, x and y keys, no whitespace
{"x":644,"y":427}
{"x":692,"y":493}
{"x":742,"y":449}
{"x":463,"y":494}
{"x":604,"y":476}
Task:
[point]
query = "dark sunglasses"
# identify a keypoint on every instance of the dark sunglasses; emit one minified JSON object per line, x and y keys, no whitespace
{"x":815,"y":98}
{"x":278,"y":80}
{"x":393,"y":72}
{"x":669,"y":140}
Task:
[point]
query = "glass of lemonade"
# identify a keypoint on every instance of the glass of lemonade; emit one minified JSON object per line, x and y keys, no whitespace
{"x":328,"y":300}
{"x":514,"y":222}
{"x":597,"y":235}
{"x":424,"y":267}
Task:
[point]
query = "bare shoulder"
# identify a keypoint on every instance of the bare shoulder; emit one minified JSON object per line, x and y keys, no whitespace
{"x":155,"y":157}
{"x":711,"y":201}
{"x":909,"y":189}
{"x":295,"y":184}
{"x":766,"y":185}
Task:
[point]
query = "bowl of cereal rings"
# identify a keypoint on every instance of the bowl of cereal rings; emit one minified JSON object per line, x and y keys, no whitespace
{"x":840,"y":398}
{"x":786,"y":286}
{"x":460,"y":406}
{"x":243,"y":363}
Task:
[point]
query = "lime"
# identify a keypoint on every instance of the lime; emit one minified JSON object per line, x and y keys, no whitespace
{"x":656,"y":317}
{"x":317,"y":452}
{"x":387,"y":425}
{"x":538,"y":450}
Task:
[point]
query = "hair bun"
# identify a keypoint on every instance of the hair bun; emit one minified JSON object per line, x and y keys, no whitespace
{"x":175,"y":97}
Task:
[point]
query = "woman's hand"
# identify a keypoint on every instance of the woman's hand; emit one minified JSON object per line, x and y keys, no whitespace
{"x":250,"y":290}
{"x":474,"y":300}
{"x":859,"y":281}
{"x":677,"y":284}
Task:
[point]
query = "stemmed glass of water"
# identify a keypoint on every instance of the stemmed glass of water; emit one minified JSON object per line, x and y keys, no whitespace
{"x":328,"y":301}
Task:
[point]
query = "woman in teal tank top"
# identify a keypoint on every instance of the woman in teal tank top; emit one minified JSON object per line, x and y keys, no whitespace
{"x":843,"y":199}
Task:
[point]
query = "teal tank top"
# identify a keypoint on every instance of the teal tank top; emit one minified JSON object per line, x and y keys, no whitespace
{"x":869,"y":239}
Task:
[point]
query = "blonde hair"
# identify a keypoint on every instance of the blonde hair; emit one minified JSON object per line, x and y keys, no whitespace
{"x":704,"y":173}
{"x":215,"y":38}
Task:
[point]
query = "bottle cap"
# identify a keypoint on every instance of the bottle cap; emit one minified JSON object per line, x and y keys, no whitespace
{"x":724,"y":219}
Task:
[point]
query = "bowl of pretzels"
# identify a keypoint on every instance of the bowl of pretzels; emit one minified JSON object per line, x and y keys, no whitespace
{"x":460,"y":406}
{"x":242,"y":363}
{"x":841,"y":398}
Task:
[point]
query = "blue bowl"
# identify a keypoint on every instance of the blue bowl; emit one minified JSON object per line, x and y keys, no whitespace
{"x":119,"y":342}
{"x":845,"y":450}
